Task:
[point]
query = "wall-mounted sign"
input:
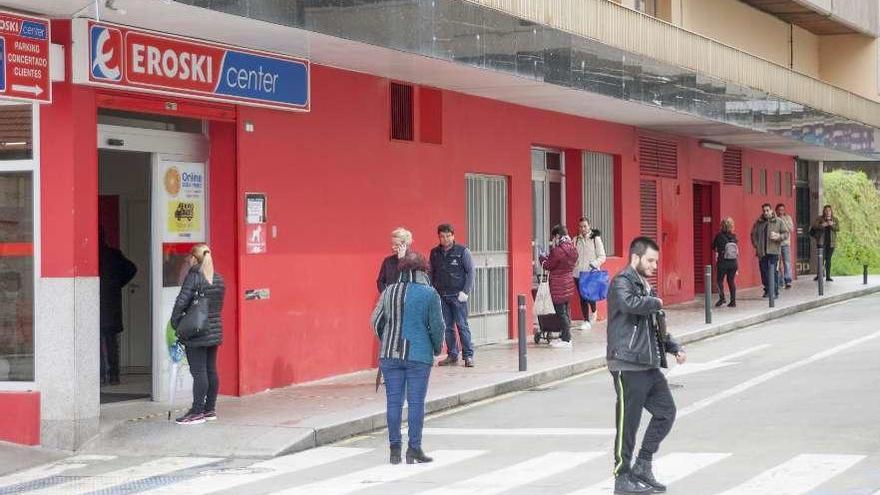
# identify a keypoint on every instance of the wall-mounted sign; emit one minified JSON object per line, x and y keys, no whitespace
{"x":255,"y":208}
{"x":24,"y":58}
{"x":116,"y":56}
{"x":255,"y":223}
{"x":256,"y":294}
{"x":182,"y":201}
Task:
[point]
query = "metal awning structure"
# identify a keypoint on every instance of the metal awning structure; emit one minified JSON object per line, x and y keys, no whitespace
{"x":468,"y":48}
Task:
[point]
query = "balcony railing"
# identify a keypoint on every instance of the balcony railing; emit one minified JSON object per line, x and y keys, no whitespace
{"x":620,"y":27}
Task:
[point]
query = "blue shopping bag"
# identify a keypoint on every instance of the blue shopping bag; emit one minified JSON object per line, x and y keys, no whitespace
{"x":593,"y":285}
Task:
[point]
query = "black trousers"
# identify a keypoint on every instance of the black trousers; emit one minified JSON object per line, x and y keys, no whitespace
{"x":587,"y":307}
{"x":637,"y":390}
{"x":206,"y":383}
{"x":562,"y":313}
{"x":109,"y":354}
{"x":829,"y":252}
{"x":729,"y":272}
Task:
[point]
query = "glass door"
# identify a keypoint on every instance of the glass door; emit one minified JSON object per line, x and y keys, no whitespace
{"x":548,"y":200}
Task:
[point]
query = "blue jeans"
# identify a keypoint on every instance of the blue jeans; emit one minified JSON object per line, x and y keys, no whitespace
{"x":786,"y":263}
{"x":768,"y":264}
{"x":410,"y":377}
{"x":455,"y":314}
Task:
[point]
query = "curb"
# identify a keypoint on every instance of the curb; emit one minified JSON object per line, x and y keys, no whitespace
{"x":341,"y":431}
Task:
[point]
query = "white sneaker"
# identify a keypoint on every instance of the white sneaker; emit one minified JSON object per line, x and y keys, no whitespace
{"x":585,"y":326}
{"x":593,"y":317}
{"x":561,"y":344}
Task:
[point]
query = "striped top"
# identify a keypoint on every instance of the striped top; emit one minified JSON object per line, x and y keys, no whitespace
{"x":408,"y":320}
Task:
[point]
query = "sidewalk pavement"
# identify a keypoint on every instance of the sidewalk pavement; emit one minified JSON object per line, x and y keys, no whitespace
{"x":303,"y":416}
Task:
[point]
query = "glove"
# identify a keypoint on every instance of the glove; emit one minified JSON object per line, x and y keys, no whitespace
{"x":462,"y":297}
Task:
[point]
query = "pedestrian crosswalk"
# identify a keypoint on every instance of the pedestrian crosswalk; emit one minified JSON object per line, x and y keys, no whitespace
{"x":345,"y":470}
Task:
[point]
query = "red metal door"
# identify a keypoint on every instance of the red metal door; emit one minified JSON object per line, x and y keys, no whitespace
{"x":703,"y":232}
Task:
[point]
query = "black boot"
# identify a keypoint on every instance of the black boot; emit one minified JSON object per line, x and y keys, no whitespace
{"x":627,"y":484}
{"x":642,"y":470}
{"x":416,"y":456}
{"x":395,"y":454}
{"x":720,"y":302}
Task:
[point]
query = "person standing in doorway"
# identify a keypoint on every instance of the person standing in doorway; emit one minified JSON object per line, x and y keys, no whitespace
{"x":409,"y":323}
{"x":786,"y":244}
{"x":559,"y":263}
{"x":768,"y":233}
{"x":452,"y":274}
{"x":591,"y":256}
{"x":636,"y":350}
{"x":824,"y":231}
{"x":115,"y":272}
{"x":201,"y":349}
{"x":726,"y":246}
{"x":401,"y":240}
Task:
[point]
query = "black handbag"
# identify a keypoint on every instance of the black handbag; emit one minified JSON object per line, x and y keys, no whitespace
{"x":195,"y":319}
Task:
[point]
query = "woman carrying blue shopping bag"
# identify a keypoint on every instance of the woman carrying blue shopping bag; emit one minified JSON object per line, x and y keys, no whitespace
{"x":591,"y":256}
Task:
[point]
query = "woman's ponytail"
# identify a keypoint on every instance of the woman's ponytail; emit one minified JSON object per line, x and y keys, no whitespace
{"x":202,"y":254}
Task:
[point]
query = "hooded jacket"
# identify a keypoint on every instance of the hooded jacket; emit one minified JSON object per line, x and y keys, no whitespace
{"x":214,"y":293}
{"x":560,"y":263}
{"x":591,"y":252}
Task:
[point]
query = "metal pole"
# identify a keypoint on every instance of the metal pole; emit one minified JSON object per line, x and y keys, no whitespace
{"x":521,"y":331}
{"x":821,"y":270}
{"x":771,"y":283}
{"x":864,"y":274}
{"x":707,"y":284}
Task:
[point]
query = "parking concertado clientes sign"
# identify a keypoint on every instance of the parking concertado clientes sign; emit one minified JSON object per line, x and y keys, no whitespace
{"x":116,"y":56}
{"x":24,"y":57}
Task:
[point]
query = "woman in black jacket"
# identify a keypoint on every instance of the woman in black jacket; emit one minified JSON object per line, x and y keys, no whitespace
{"x":726,"y":246}
{"x":201,"y":349}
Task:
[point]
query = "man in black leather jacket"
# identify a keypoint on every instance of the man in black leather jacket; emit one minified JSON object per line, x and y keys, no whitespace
{"x":637,"y":347}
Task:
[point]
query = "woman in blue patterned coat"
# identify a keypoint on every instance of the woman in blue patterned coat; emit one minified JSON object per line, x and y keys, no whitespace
{"x":408,"y":321}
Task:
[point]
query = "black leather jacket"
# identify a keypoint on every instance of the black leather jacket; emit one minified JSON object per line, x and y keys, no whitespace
{"x":633,"y":333}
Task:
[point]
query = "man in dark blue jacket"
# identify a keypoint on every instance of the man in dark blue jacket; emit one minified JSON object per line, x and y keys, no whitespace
{"x":637,"y":347}
{"x":452,"y":274}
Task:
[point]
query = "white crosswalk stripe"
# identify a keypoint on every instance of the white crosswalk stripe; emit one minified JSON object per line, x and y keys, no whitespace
{"x":668,"y":469}
{"x":212,"y":482}
{"x":799,"y":475}
{"x":518,"y":432}
{"x":518,"y":475}
{"x":157,"y":467}
{"x":379,"y":475}
{"x":51,"y":469}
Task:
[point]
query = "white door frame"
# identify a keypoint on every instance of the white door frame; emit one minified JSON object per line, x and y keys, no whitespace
{"x":180,"y":146}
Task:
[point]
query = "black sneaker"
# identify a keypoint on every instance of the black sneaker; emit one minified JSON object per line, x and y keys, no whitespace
{"x":190,"y":418}
{"x":627,"y":484}
{"x":720,"y":303}
{"x":642,"y":470}
{"x":449,"y":361}
{"x":468,"y":362}
{"x":732,"y":304}
{"x":829,"y":279}
{"x":210,"y":415}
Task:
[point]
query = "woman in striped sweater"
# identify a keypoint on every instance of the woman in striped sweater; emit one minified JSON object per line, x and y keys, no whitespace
{"x":408,"y":321}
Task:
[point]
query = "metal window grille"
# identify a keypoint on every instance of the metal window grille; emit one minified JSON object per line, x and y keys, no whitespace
{"x":658,"y":157}
{"x":487,"y":215}
{"x":401,"y":112}
{"x":598,"y":196}
{"x":732,"y":167}
{"x":778,"y":183}
{"x":763,"y":183}
{"x":788,"y":184}
{"x":649,"y":216}
{"x":748,"y":180}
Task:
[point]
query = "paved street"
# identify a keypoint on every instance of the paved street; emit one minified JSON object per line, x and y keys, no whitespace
{"x":787,"y":407}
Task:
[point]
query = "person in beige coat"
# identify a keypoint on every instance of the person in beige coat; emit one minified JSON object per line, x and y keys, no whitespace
{"x":591,"y":256}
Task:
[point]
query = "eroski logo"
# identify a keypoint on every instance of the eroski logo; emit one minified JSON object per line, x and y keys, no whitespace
{"x":106,"y":44}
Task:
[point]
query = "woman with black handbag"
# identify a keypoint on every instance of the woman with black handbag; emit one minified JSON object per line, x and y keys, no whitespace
{"x":196,"y":319}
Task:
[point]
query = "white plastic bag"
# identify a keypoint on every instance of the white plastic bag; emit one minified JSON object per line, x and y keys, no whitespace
{"x":543,"y":300}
